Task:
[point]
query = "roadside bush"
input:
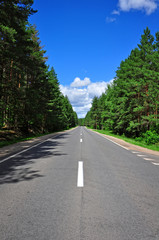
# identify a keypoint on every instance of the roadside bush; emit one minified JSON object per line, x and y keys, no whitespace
{"x":139,"y":139}
{"x":151,"y":137}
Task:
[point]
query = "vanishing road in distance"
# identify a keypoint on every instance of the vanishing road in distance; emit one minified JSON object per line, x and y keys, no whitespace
{"x":78,"y":185}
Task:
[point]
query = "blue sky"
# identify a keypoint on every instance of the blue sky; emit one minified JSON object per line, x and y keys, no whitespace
{"x":86,"y":40}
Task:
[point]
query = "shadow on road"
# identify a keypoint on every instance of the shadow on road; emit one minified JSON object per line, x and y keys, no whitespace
{"x":22,"y":167}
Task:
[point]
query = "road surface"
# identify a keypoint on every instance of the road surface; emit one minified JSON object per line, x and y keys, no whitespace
{"x":79,"y":186}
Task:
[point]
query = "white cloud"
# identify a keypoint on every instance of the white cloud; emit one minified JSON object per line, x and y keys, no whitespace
{"x":96,"y":89}
{"x":116,"y":12}
{"x":81,"y":96}
{"x":80,"y":83}
{"x":110,"y":19}
{"x":81,"y":111}
{"x":147,"y":5}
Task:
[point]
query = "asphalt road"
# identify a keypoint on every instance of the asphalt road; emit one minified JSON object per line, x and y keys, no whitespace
{"x":79,"y":186}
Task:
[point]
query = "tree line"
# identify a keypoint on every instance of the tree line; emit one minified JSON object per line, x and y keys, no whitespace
{"x":130,"y":105}
{"x":30,"y":96}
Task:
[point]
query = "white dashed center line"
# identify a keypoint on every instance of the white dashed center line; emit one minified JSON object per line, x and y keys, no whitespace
{"x":80,"y":178}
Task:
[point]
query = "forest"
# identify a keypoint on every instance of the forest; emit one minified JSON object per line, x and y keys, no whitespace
{"x":130,"y":105}
{"x":30,"y":96}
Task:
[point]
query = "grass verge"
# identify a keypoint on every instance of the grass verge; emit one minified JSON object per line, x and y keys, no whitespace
{"x":154,"y":147}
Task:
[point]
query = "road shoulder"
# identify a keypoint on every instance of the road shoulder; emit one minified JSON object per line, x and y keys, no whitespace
{"x":129,"y":146}
{"x":20,"y":146}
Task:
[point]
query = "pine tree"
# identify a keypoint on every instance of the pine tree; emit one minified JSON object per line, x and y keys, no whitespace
{"x":13,"y":18}
{"x":30,"y":97}
{"x":131,"y":103}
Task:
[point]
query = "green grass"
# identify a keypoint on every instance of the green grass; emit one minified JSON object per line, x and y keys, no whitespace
{"x":130,"y":140}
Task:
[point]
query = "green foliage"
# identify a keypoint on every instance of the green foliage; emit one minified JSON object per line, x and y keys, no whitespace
{"x":30,"y":97}
{"x":81,"y":121}
{"x":130,"y":104}
{"x":151,"y":137}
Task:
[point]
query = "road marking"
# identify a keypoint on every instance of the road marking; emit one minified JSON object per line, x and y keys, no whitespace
{"x":81,"y":140}
{"x":157,"y":164}
{"x":141,"y":155}
{"x":110,"y":140}
{"x":12,"y":156}
{"x":116,"y":143}
{"x":135,"y":152}
{"x":80,"y":178}
{"x":148,"y":159}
